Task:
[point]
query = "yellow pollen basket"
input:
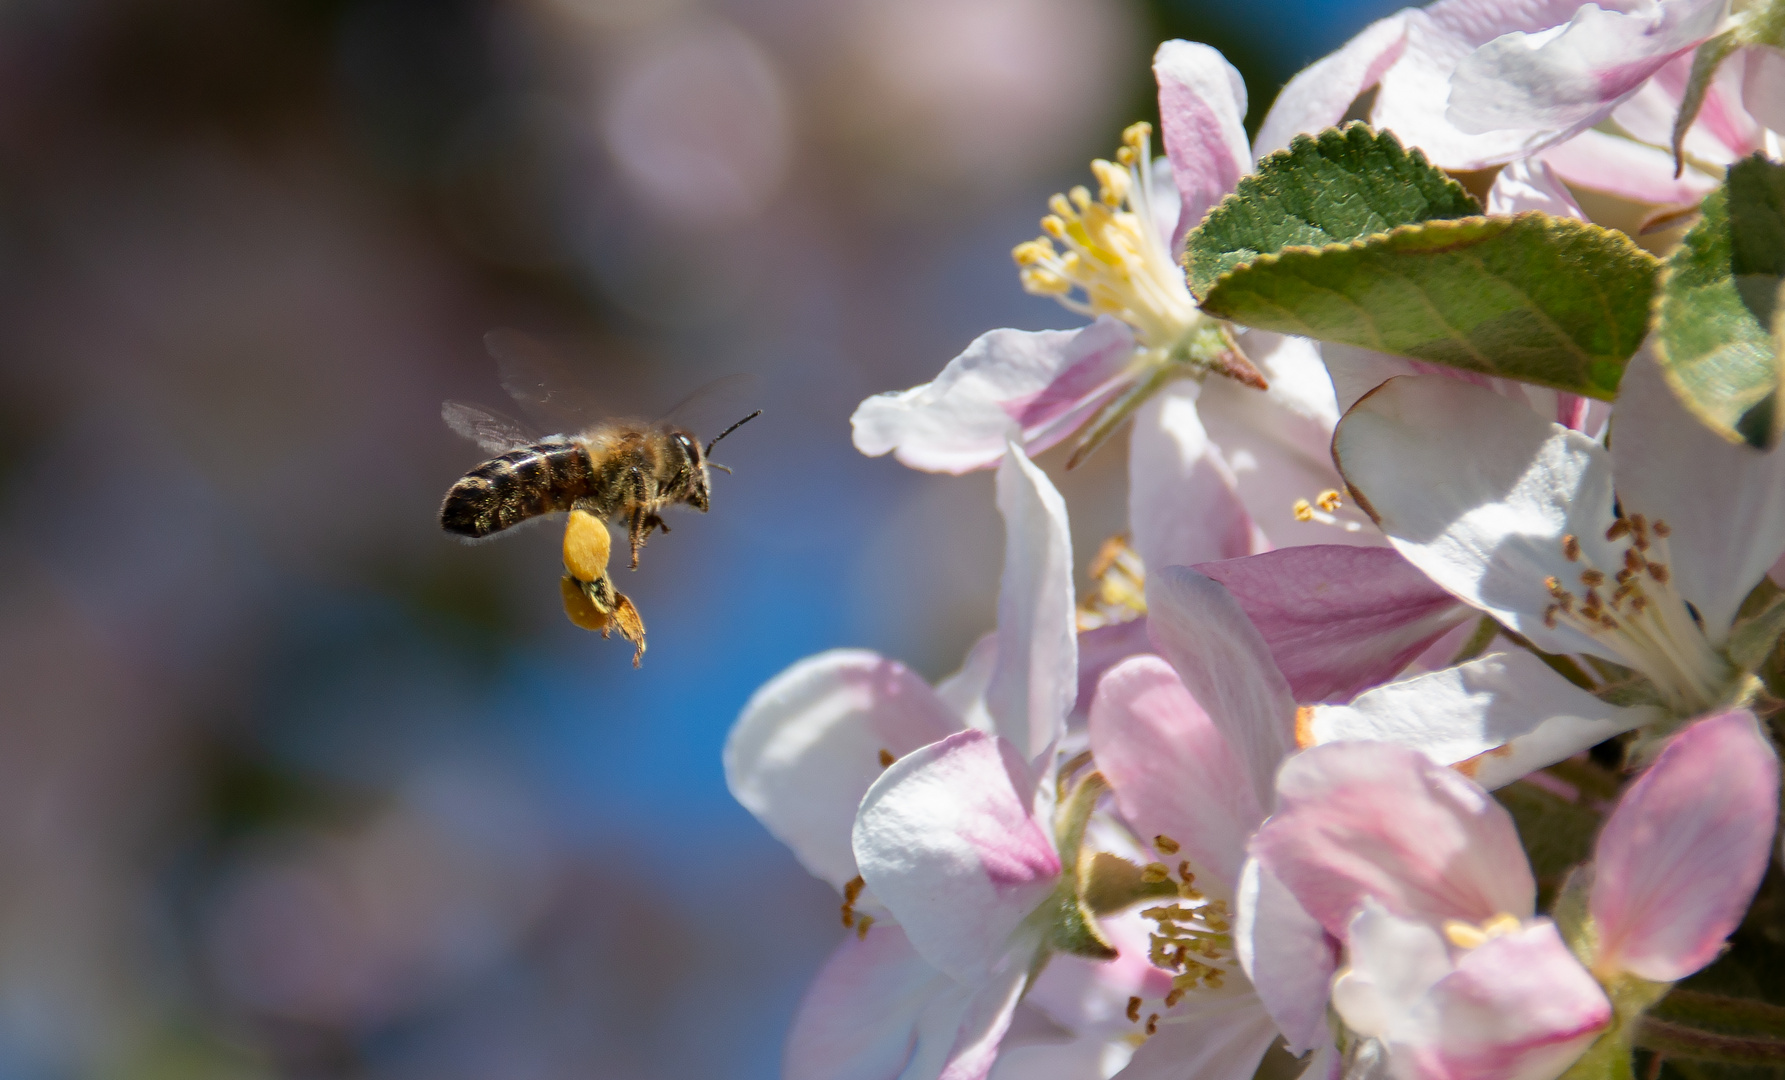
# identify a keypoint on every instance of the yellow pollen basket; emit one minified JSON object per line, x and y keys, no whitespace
{"x":1111,"y":258}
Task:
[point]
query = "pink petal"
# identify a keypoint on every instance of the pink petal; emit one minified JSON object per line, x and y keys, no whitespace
{"x":1289,"y":957}
{"x":1100,"y":650}
{"x":1529,"y":184}
{"x":1215,"y":1038}
{"x":1321,"y":94}
{"x":1035,"y":677}
{"x":875,"y":1010}
{"x":982,"y":1028}
{"x":1083,"y":995}
{"x":1172,"y":771}
{"x":1559,"y":84}
{"x":1763,"y":86}
{"x":1374,"y":820}
{"x":1198,"y":626}
{"x":948,"y":842}
{"x":1520,"y":1007}
{"x":1182,"y":508}
{"x":1631,"y":170}
{"x":1683,"y":852}
{"x":807,"y":746}
{"x":1202,"y":110}
{"x":1339,"y":620}
{"x":1039,"y":385}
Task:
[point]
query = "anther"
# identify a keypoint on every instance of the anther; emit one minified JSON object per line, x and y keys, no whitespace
{"x":1165,"y":844}
{"x":1303,"y":510}
{"x":1176,"y":995}
{"x":1592,"y":579}
{"x":861,"y":928}
{"x":1571,"y":547}
{"x":1184,"y":873}
{"x":887,"y":758}
{"x":1153,"y":1024}
{"x":1153,"y":873}
{"x":1554,"y":585}
{"x":1639,"y":528}
{"x":1329,"y":501}
{"x":1549,"y":615}
{"x":1662,"y":529}
{"x":1658,"y":571}
{"x":1619,"y":528}
{"x":1134,"y":1010}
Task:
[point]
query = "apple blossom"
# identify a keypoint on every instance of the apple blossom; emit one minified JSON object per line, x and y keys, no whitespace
{"x":1449,"y":971}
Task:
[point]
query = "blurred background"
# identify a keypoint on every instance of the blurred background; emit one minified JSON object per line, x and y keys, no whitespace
{"x":292,"y":784}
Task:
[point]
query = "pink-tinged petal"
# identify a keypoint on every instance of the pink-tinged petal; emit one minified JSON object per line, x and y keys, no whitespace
{"x":876,"y":1011}
{"x":1289,"y":957}
{"x":1170,"y":767}
{"x":1763,"y":86}
{"x":1520,"y":1007}
{"x":1203,"y":632}
{"x":1478,"y":491}
{"x":1182,"y":508}
{"x":1339,"y":620}
{"x":1724,"y":503}
{"x":1358,"y":820}
{"x":1617,"y":166}
{"x":1202,"y":110}
{"x":1412,"y":97}
{"x":1683,"y":852}
{"x":1206,"y":1038}
{"x":1393,"y":963}
{"x":1529,"y":184}
{"x":1084,"y":1058}
{"x":1082,"y":995}
{"x":1495,"y":718}
{"x":1326,"y":1063}
{"x":1278,"y":444}
{"x":1038,"y":386}
{"x":1723,"y":130}
{"x":1557,"y":84}
{"x":1100,"y":650}
{"x":982,"y":1028}
{"x":808,"y":743}
{"x":1322,"y":93}
{"x":964,"y":691}
{"x":1035,"y":677}
{"x":946,"y":839}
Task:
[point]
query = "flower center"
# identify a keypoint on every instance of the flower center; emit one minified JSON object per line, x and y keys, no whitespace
{"x":1466,"y":935}
{"x":1194,"y":937}
{"x":1111,"y":258}
{"x":1119,"y":594}
{"x":1640,"y":616}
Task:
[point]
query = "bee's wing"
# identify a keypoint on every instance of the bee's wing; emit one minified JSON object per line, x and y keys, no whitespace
{"x":710,"y":409}
{"x":495,"y":433}
{"x":550,"y":389}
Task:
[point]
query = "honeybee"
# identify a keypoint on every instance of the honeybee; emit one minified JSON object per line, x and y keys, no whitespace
{"x":621,"y":469}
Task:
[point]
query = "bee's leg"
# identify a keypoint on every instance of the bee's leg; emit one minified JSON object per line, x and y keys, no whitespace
{"x":639,"y":531}
{"x":655,"y":522}
{"x":641,"y":496}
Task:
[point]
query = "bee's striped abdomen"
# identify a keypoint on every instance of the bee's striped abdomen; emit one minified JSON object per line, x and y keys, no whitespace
{"x":524,"y":483}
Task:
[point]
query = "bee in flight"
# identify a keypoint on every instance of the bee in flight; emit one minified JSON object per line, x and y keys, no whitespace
{"x":612,"y":469}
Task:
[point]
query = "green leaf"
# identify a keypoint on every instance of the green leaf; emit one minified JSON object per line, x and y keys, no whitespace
{"x":1547,"y":300}
{"x":1339,"y":186}
{"x":1716,"y":319}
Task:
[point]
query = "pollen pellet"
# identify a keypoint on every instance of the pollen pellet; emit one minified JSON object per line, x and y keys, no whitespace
{"x":580,"y":609}
{"x":586,"y":546}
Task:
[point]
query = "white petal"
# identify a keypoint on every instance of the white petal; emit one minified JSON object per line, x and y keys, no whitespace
{"x":1557,"y":84}
{"x":948,"y":841}
{"x":1038,"y":386}
{"x":1279,"y":443}
{"x":1202,"y":110}
{"x":1221,"y":1038}
{"x":1320,"y":95}
{"x":982,"y":1028}
{"x":807,"y":746}
{"x":1035,"y":678}
{"x":1287,"y":955}
{"x":1394,"y":963}
{"x":1182,"y":506}
{"x":876,"y":1011}
{"x":1529,"y":184}
{"x":1198,"y":626}
{"x":1478,"y":492}
{"x":964,"y":691}
{"x":1497,"y":718}
{"x":1724,"y":503}
{"x":1355,"y":372}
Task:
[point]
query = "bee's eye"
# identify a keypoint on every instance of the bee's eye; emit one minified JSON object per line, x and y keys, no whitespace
{"x":689,"y":447}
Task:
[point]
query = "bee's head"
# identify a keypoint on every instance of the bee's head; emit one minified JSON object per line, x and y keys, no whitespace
{"x":693,"y":469}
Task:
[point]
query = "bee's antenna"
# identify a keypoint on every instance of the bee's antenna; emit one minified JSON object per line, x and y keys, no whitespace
{"x":729,"y":430}
{"x":716,"y":465}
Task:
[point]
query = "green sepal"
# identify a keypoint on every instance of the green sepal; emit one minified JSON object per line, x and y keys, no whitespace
{"x":1558,"y":833}
{"x":1338,"y":186}
{"x":1758,"y":627}
{"x":1542,"y":299}
{"x":1715,"y":319}
{"x":1110,"y":883}
{"x":1706,"y":59}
